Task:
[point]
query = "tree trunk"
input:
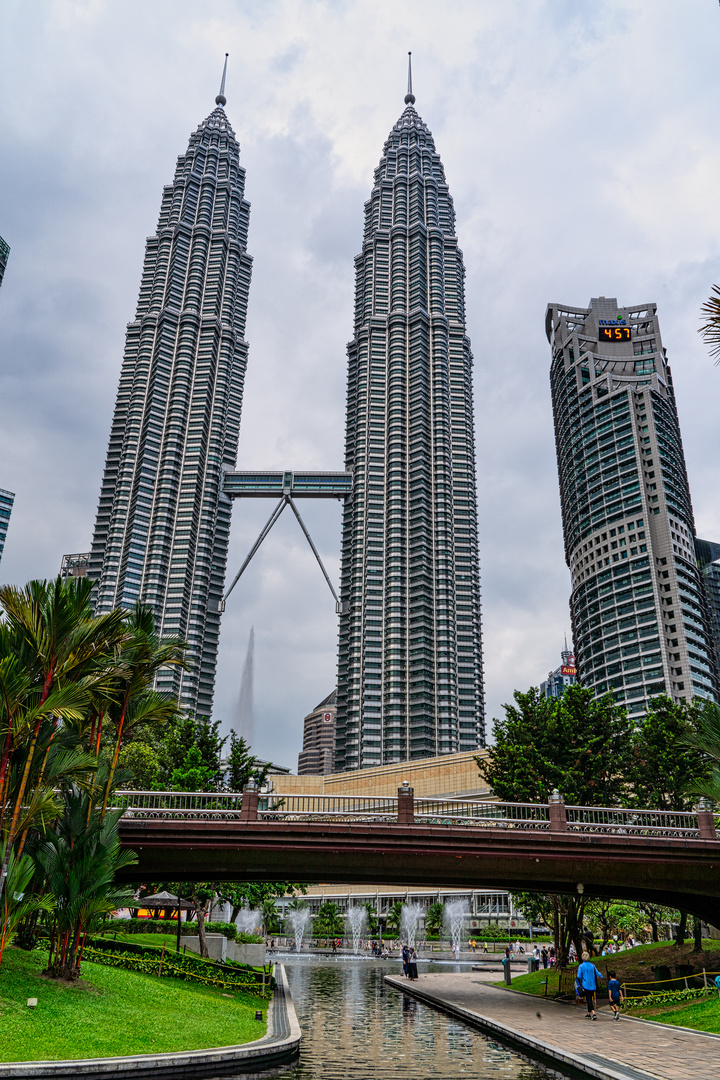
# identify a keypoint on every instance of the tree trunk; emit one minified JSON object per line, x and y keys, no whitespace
{"x":200,"y":910}
{"x":697,"y":935}
{"x":681,"y":930}
{"x":654,"y":929}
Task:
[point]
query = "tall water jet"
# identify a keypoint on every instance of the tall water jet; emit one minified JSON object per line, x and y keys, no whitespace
{"x":356,"y":918}
{"x":409,"y":921}
{"x":454,"y":918}
{"x":249,"y":921}
{"x":245,"y":710}
{"x":298,"y":919}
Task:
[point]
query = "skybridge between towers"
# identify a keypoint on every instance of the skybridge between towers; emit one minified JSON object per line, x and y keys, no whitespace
{"x":286,"y":486}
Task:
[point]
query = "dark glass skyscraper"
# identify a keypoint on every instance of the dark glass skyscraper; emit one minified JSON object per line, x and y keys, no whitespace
{"x":638,"y":610}
{"x":410,"y":664}
{"x":161,"y":533}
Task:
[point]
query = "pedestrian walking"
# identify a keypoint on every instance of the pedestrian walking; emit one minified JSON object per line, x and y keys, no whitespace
{"x":544,"y":956}
{"x":717,"y":984}
{"x":615,"y":994}
{"x":586,"y":984}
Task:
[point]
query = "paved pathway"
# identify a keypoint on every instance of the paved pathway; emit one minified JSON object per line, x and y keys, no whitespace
{"x":623,"y":1050}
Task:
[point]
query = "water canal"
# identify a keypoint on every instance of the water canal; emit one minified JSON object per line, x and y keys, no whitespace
{"x":356,"y":1027}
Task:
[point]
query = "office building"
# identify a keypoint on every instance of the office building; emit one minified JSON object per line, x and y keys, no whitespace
{"x":637,"y":605}
{"x":317,"y":757}
{"x":161,"y":533}
{"x":7,"y":498}
{"x":708,"y":557}
{"x":561,"y":677}
{"x":4,"y":254}
{"x":410,"y":665}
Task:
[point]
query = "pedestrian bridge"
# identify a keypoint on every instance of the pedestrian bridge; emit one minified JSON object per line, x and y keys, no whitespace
{"x":670,"y":857}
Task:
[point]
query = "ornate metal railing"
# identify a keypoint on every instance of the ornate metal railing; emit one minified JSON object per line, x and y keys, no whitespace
{"x":187,"y":805}
{"x":485,"y":814}
{"x":327,"y":808}
{"x":275,"y":806}
{"x":596,"y":819}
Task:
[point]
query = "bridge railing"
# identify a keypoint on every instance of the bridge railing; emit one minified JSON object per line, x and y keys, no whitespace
{"x":595,"y":819}
{"x":178,"y":804}
{"x":483,"y":814}
{"x":326,"y":808}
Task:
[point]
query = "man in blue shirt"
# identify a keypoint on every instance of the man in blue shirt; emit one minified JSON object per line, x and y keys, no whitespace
{"x":587,"y":983}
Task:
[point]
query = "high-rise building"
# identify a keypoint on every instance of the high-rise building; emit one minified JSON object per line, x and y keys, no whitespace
{"x":161,"y":533}
{"x":318,"y":753}
{"x":75,"y":565}
{"x":7,"y":498}
{"x":561,"y":677}
{"x":708,"y":557}
{"x":410,"y":665}
{"x":637,"y":605}
{"x":4,"y":254}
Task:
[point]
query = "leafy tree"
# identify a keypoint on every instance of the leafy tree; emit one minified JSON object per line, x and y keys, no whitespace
{"x":255,"y":894}
{"x":372,"y":919}
{"x":657,"y":916}
{"x":242,"y":766}
{"x":609,"y":918}
{"x":199,"y":734}
{"x":142,"y":762}
{"x":18,"y":902}
{"x":706,"y":739}
{"x":435,"y":918}
{"x":394,"y":916}
{"x":329,"y":921}
{"x":573,"y":743}
{"x":661,"y":766}
{"x":193,"y":775}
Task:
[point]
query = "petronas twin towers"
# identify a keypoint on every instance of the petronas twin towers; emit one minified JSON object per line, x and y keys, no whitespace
{"x":410,"y":662}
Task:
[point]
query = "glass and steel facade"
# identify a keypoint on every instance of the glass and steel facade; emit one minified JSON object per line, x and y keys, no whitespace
{"x":410,"y":664}
{"x":4,"y":255}
{"x":7,"y":498}
{"x":708,"y":557}
{"x":162,"y":527}
{"x":637,"y":606}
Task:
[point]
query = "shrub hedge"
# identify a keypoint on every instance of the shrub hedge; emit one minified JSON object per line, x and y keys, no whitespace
{"x":150,"y":960}
{"x":169,"y":926}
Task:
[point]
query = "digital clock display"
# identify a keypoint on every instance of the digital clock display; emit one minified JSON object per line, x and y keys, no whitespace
{"x":614,"y":333}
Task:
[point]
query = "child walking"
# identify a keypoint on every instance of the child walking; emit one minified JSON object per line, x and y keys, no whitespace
{"x":615,"y":994}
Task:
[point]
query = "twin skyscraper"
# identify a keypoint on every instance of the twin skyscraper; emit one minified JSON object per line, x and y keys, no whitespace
{"x":410,"y":661}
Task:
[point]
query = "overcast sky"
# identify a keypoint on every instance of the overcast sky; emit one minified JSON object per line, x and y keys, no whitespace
{"x":581,"y":143}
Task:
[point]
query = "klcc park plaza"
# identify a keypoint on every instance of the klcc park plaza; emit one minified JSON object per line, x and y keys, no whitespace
{"x":500,"y":838}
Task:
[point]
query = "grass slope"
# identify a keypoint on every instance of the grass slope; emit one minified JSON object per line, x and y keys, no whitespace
{"x":113,"y":1012}
{"x":700,"y":1015}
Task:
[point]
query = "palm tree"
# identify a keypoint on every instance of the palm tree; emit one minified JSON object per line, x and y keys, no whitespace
{"x":18,"y":902}
{"x":394,"y":916}
{"x":139,"y":659}
{"x":62,"y":653}
{"x":79,"y":861}
{"x":707,"y":739}
{"x":710,"y":329}
{"x":435,"y":918}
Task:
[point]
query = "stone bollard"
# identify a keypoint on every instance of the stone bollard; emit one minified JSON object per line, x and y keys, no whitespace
{"x":406,"y":805}
{"x":556,"y":808}
{"x":249,"y":805}
{"x":705,"y":820}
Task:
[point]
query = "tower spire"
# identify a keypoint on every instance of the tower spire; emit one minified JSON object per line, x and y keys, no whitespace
{"x":221,"y":99}
{"x":409,"y":97}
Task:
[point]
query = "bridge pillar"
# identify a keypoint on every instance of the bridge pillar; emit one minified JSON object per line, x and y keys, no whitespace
{"x":249,"y":805}
{"x":406,"y":804}
{"x":705,"y":820}
{"x":556,"y":812}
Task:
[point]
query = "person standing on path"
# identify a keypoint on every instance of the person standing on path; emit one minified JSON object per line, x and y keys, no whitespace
{"x":405,"y":960}
{"x":587,"y":983}
{"x":615,"y":994}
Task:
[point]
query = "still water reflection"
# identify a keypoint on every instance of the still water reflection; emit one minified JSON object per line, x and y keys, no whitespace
{"x":356,"y":1026}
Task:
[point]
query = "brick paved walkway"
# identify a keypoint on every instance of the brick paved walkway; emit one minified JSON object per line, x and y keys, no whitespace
{"x":623,"y":1050}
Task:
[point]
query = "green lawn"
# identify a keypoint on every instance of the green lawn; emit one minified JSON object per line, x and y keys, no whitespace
{"x":168,"y":940}
{"x":700,"y":1015}
{"x":113,"y":1012}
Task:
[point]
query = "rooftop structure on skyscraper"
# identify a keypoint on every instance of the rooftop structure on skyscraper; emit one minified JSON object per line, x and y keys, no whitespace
{"x":7,"y":498}
{"x":163,"y":521}
{"x":410,"y":664}
{"x":75,"y":566}
{"x":561,"y":677}
{"x":637,"y":604}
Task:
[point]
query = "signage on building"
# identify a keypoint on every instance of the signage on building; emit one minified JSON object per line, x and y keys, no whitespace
{"x":566,"y":669}
{"x":616,"y":332}
{"x":327,"y":718}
